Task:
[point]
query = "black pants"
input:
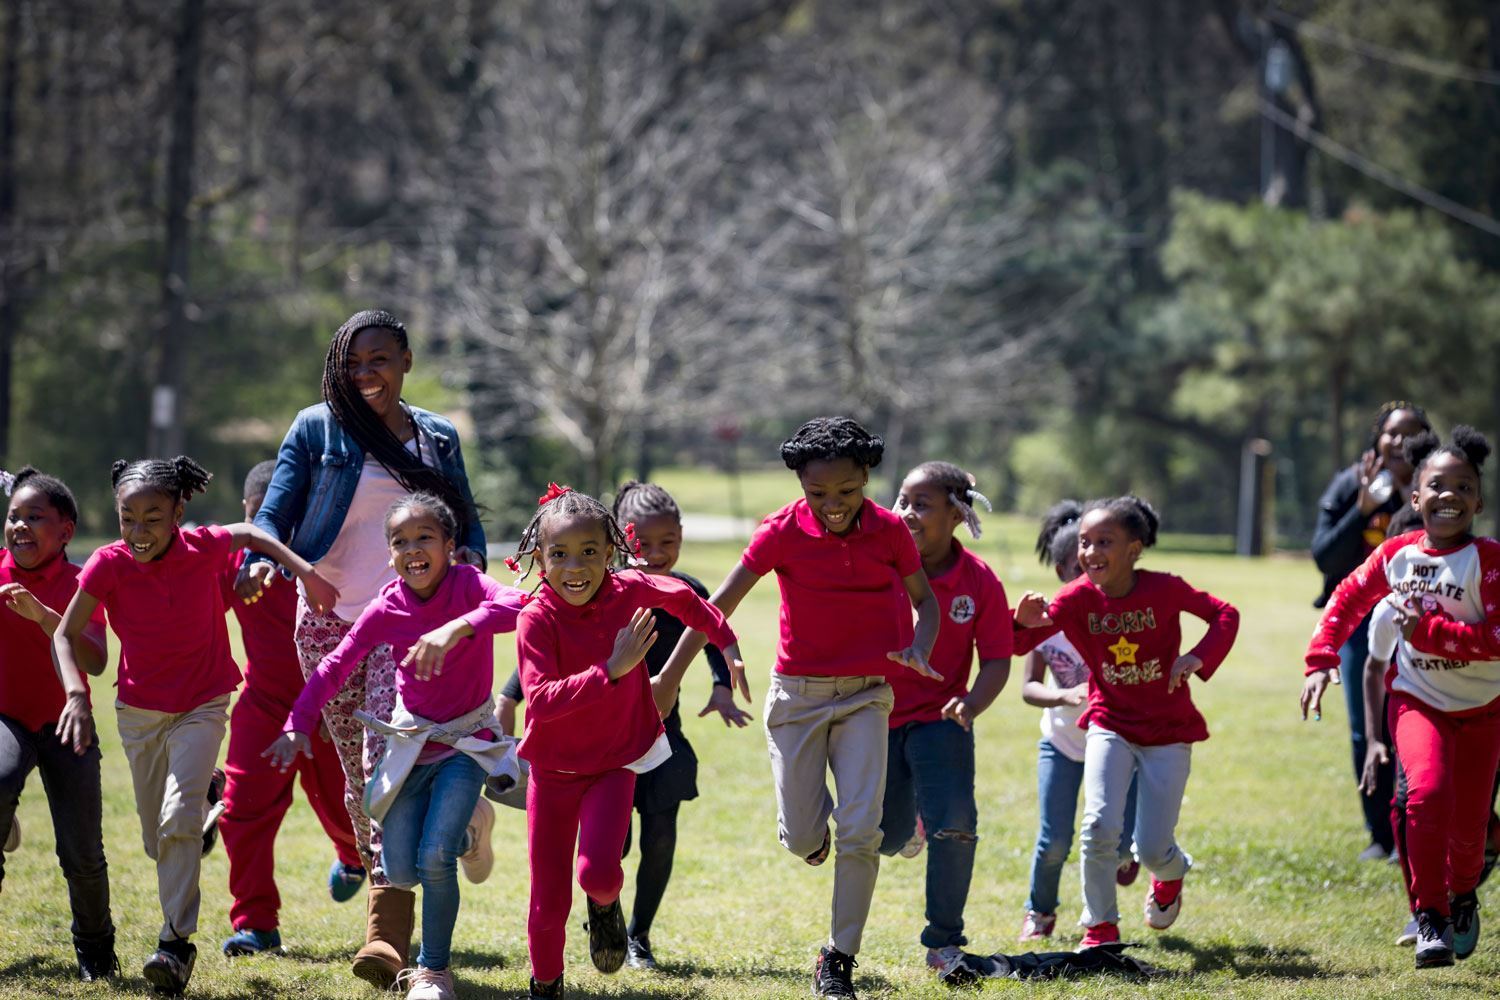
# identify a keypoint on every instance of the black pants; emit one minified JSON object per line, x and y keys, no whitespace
{"x":71,"y":782}
{"x":658,"y":846}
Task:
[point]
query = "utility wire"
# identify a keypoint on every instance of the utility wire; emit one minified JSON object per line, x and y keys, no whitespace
{"x":1375,"y":171}
{"x":1381,"y":53}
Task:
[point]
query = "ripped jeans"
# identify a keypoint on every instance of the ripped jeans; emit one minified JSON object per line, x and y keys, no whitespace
{"x":930,"y":772}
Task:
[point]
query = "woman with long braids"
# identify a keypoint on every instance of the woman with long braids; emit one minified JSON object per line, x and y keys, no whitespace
{"x":341,"y":466}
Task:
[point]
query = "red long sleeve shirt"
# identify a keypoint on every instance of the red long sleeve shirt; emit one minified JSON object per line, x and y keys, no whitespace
{"x":1129,"y":644}
{"x":577,"y":719}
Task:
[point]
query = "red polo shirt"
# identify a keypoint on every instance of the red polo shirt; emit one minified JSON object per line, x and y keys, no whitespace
{"x":577,"y":719}
{"x":975,"y":616}
{"x":267,"y":627}
{"x":169,"y":615}
{"x":843,"y":605}
{"x":30,"y":692}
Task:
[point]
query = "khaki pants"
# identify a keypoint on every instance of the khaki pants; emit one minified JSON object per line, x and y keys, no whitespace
{"x":818,"y":724}
{"x":172,"y":758}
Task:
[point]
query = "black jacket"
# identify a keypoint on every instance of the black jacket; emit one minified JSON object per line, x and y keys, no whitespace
{"x":1338,"y":543}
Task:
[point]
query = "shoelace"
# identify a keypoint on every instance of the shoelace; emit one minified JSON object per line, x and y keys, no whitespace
{"x":837,"y":973}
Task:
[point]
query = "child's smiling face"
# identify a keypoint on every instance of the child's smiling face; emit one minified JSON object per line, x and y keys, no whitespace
{"x":835,"y":490}
{"x":148,"y":517}
{"x":575,"y":554}
{"x":35,"y":530}
{"x":420,"y":551}
{"x":929,"y":515}
{"x":660,"y":536}
{"x":377,"y":366}
{"x":1448,"y":498}
{"x":1107,"y":552}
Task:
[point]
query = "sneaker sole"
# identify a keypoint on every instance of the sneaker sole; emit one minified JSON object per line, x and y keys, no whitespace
{"x":1435,"y":961}
{"x":478,"y":869}
{"x":162,"y":981}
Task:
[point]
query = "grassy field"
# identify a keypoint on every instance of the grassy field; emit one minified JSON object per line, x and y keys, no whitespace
{"x":1276,"y":906}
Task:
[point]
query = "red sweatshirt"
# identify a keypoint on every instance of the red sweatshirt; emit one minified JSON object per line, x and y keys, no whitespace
{"x":577,"y":719}
{"x":1129,"y":644}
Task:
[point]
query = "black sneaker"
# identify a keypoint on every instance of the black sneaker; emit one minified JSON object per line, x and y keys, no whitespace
{"x":97,"y":962}
{"x":607,"y":937}
{"x":215,"y":810}
{"x":638,"y":954}
{"x":833,"y":975}
{"x":170,"y":967}
{"x":547,"y":991}
{"x":1465,"y":924}
{"x":1434,"y":939}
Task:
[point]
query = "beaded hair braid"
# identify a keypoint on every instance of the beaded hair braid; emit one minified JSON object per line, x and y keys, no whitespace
{"x":564,"y":501}
{"x":959,"y":486}
{"x":179,"y":478}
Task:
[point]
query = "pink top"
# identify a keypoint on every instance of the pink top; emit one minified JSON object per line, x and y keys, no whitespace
{"x":577,"y":719}
{"x":30,"y":692}
{"x":169,"y":615}
{"x":975,"y":616}
{"x":399,"y":618}
{"x":843,"y":604}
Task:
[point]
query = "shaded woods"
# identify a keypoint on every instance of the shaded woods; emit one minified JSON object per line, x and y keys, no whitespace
{"x":626,"y":232}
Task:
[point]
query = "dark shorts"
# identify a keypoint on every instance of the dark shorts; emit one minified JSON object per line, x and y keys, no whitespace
{"x":676,"y":781}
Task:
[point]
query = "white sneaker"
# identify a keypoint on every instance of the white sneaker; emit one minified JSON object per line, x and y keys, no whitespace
{"x":1160,"y":917}
{"x":478,"y":861}
{"x":13,"y":837}
{"x":427,"y":984}
{"x":918,"y":840}
{"x":1408,"y":935}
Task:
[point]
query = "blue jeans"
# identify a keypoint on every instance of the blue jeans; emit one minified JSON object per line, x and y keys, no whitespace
{"x":425,"y":832}
{"x":930,"y":771}
{"x":1377,"y":807}
{"x":1058,"y":780}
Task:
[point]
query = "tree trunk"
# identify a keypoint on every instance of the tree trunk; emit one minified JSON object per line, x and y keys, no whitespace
{"x":166,"y":435}
{"x":9,"y":228}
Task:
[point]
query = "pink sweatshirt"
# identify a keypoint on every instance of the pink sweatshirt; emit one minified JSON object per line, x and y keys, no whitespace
{"x":398,"y":617}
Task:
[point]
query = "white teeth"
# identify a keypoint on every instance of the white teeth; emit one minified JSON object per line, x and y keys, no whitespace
{"x":367,"y":393}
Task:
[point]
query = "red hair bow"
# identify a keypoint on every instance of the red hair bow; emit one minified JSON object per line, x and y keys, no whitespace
{"x":553,"y":492}
{"x":512,"y":565}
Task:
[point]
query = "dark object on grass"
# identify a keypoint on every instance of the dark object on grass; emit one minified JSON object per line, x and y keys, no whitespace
{"x":1105,"y":959}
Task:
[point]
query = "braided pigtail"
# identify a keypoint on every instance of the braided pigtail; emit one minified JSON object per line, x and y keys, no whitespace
{"x":564,"y":501}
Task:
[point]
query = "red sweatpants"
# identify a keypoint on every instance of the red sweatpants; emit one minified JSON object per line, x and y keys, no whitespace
{"x":1450,"y":763}
{"x":257,"y":796}
{"x":592,"y":811}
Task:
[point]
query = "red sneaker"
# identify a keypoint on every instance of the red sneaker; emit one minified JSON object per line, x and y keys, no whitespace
{"x":1163,"y":903}
{"x":1105,"y":933}
{"x":1127,"y":872}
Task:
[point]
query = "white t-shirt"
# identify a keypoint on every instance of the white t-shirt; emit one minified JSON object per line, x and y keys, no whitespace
{"x":1060,"y":724}
{"x":1384,"y":632}
{"x":359,"y":561}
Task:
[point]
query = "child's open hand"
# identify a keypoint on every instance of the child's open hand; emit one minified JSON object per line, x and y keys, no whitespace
{"x":24,"y":603}
{"x":283,"y":753}
{"x":75,"y":726}
{"x":1186,"y":664}
{"x":914,"y":658}
{"x":1312,"y":692}
{"x":721,"y":700}
{"x":631,"y":643}
{"x":959,"y":711}
{"x":253,"y":579}
{"x":1376,"y":757}
{"x":1031,"y":612}
{"x":425,"y":658}
{"x":322,"y":596}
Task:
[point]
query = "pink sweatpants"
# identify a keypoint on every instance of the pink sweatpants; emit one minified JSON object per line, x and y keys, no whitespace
{"x":562,"y":809}
{"x":1450,"y":763}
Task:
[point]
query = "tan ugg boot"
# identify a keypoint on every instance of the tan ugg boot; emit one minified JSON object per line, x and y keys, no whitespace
{"x":387,"y":936}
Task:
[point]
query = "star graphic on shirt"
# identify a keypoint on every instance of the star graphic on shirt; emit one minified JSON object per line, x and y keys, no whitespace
{"x":1124,"y":651}
{"x":1450,"y":646}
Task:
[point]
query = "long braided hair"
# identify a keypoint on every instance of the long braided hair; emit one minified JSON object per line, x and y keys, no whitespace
{"x":564,"y":501}
{"x":370,"y":432}
{"x":1377,"y":427}
{"x":179,"y":478}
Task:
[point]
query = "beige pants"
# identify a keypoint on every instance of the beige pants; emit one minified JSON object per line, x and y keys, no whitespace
{"x":818,"y":724}
{"x":172,"y":758}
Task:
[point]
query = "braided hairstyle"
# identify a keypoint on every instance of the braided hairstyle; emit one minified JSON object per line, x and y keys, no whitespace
{"x":179,"y":478}
{"x":372,"y":435}
{"x":425,"y":503}
{"x":564,"y":501}
{"x":55,"y":490}
{"x":824,"y":439}
{"x":1465,"y":443}
{"x":1136,"y":516}
{"x":959,"y":486}
{"x":1057,"y":544}
{"x":635,"y":501}
{"x":258,"y":479}
{"x":1384,"y":413}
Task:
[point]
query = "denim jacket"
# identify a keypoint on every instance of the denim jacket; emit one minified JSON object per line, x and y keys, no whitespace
{"x":318,"y":469}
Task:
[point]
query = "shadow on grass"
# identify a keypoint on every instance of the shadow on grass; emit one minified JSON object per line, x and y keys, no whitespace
{"x":1246,"y":960}
{"x":47,"y":966}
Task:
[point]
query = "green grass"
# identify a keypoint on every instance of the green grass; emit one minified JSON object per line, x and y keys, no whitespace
{"x":1276,"y":907}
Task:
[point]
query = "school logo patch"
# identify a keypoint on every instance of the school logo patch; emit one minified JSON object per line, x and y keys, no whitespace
{"x":962,"y":609}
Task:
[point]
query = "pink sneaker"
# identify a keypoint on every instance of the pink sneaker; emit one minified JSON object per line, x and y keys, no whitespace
{"x":1105,"y":933}
{"x":1037,"y":926}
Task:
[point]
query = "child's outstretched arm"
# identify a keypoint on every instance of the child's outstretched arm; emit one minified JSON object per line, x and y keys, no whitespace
{"x":495,"y":614}
{"x":704,"y":619}
{"x":1352,"y":599}
{"x":928,"y":618}
{"x":72,"y":649}
{"x":1034,"y":689}
{"x":322,"y":596}
{"x":740,"y":581}
{"x":331,"y":673}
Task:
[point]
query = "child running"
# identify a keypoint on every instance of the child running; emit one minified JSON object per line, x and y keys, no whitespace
{"x":929,"y":781}
{"x":36,"y":583}
{"x":849,"y":575}
{"x":593,"y":721}
{"x":1140,"y":714}
{"x":1059,"y":764}
{"x":257,"y":795}
{"x":443,"y":743}
{"x":1444,"y":706}
{"x":159,"y":585}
